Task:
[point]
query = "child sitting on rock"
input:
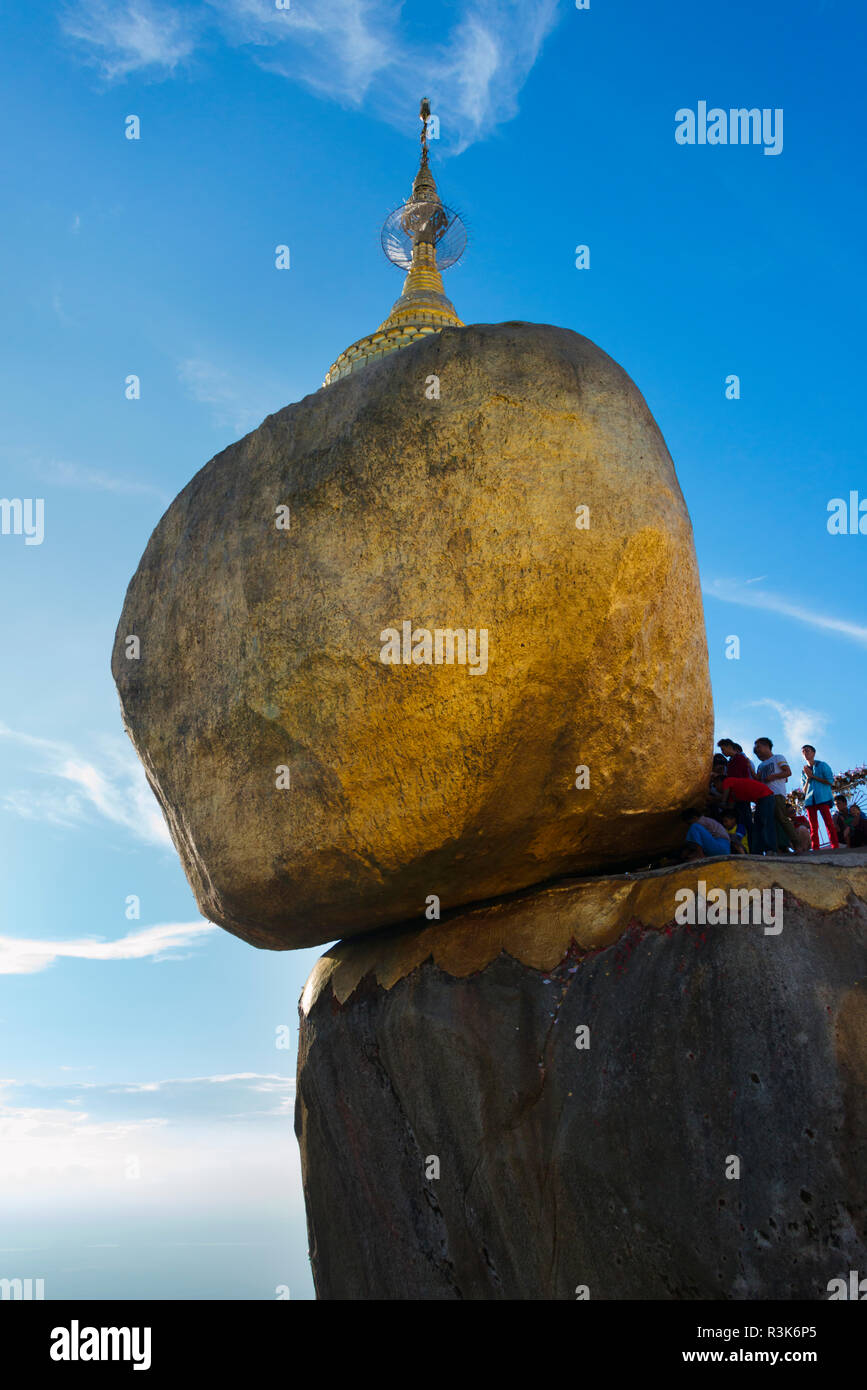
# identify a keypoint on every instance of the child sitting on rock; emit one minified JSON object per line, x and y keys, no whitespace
{"x":736,"y":832}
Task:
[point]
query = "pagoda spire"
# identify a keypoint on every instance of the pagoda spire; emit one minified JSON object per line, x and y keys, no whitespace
{"x":410,"y":239}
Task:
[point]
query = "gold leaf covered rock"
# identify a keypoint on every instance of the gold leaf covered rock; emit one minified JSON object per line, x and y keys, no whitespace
{"x":438,"y":487}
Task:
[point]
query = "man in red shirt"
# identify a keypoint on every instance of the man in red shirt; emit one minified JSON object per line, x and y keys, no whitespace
{"x":739,"y":765}
{"x":740,"y":789}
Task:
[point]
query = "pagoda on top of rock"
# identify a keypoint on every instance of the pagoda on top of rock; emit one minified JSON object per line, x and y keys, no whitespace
{"x":422,"y":237}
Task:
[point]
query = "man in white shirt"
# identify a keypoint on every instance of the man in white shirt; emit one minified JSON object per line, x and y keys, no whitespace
{"x":774,"y":771}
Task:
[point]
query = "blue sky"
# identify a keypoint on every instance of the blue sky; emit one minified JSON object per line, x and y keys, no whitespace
{"x":148,"y":1044}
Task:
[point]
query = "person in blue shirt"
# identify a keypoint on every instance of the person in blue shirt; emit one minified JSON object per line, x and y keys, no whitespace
{"x":818,"y":783}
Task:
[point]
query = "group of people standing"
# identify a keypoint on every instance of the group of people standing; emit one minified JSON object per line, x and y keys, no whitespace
{"x":747,"y":810}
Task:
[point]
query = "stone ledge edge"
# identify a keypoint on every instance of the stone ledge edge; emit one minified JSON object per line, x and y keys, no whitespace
{"x":537,"y":930}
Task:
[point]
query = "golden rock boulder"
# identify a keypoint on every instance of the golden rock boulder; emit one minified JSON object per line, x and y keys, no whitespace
{"x":432,"y":634}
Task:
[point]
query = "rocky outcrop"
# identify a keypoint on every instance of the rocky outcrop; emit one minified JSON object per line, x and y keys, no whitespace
{"x":314,"y":790}
{"x":706,"y":1138}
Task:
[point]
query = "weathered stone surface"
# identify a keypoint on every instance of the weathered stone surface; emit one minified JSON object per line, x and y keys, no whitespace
{"x":261,"y":648}
{"x":603,"y":1167}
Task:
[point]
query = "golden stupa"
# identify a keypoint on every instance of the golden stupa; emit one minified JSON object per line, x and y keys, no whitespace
{"x":423,"y":307}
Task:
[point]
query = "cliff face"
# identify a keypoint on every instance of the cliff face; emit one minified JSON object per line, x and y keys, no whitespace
{"x":706,"y":1137}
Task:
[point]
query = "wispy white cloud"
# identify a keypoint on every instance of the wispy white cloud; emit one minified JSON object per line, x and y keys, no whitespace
{"x":340,"y":48}
{"x":24,"y":956}
{"x":49,"y":1131}
{"x":121,"y":38}
{"x":800,"y":726}
{"x":730,"y":592}
{"x":243,"y":1094}
{"x":355,"y":52}
{"x":228,"y":395}
{"x":58,"y":310}
{"x":62,"y":473}
{"x":45,"y":1140}
{"x":115,"y":788}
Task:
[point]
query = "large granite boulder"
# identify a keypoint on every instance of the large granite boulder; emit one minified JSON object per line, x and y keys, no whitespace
{"x":706,"y":1139}
{"x":313,"y":787}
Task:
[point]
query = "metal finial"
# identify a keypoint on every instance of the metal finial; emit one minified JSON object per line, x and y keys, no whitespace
{"x":423,"y":221}
{"x":422,"y":237}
